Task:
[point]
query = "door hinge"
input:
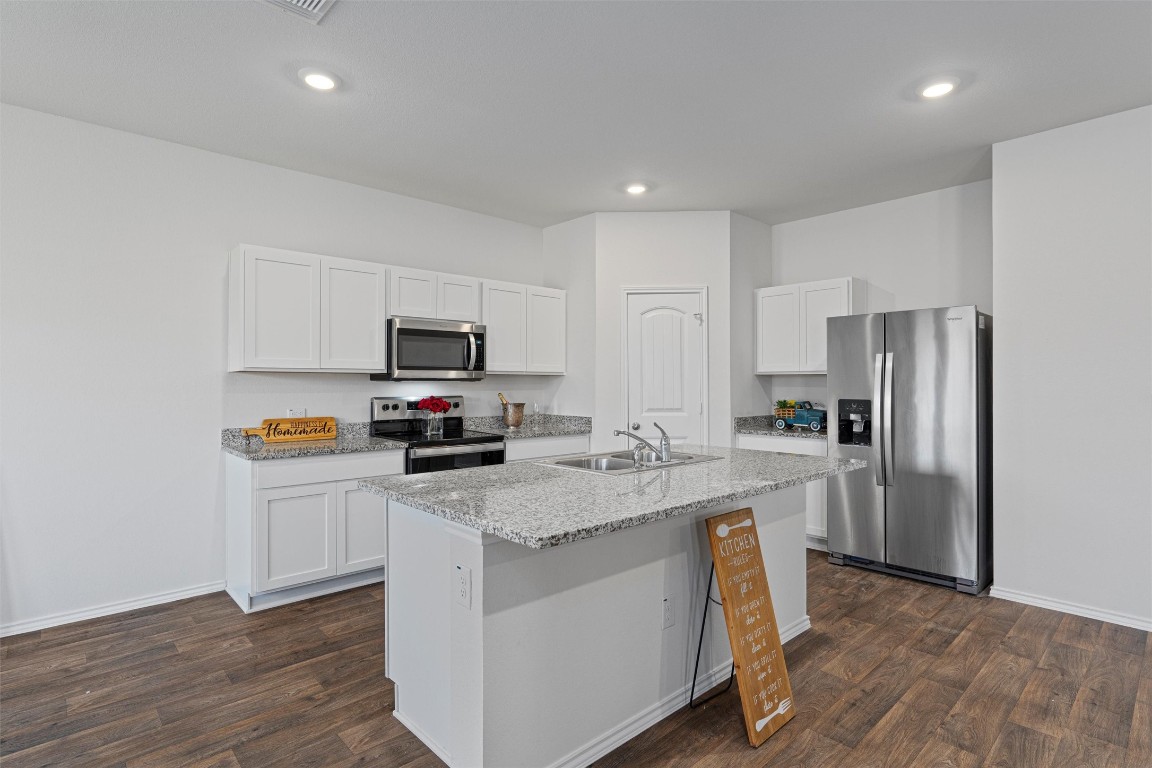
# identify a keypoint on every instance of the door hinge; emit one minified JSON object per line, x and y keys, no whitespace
{"x":699,"y":317}
{"x":701,"y":411}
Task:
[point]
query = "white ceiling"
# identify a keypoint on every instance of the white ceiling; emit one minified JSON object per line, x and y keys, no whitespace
{"x":541,"y":111}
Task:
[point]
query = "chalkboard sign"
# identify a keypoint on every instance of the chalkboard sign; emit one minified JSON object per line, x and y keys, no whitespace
{"x":760,"y":671}
{"x":292,"y":430}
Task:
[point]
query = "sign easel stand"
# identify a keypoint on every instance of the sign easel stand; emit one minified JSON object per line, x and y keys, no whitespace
{"x":692,"y":703}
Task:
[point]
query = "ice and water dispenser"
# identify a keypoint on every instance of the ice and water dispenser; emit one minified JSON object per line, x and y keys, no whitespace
{"x":854,"y":420}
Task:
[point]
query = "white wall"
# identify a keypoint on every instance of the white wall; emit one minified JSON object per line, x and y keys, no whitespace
{"x":666,"y":250}
{"x":569,"y":262}
{"x":114,"y":257}
{"x":751,"y":249}
{"x":927,"y":250}
{"x":1072,"y":271}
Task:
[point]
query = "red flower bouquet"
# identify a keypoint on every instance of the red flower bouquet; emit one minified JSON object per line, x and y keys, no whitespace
{"x":434,"y":404}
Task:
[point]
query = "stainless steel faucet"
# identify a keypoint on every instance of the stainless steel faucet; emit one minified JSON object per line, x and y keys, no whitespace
{"x":665,"y":444}
{"x":664,"y":451}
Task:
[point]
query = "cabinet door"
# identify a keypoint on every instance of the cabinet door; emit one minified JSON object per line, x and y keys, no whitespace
{"x":281,"y":309}
{"x":353,"y":316}
{"x":361,"y":529}
{"x":295,"y":535}
{"x":412,"y":293}
{"x":457,"y":298}
{"x":818,"y":302}
{"x":505,"y":316}
{"x":778,"y":329}
{"x":546,"y":330}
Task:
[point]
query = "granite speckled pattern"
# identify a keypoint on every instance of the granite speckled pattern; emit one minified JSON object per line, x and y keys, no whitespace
{"x":543,"y":506}
{"x":762,"y":425}
{"x":541,"y":425}
{"x":352,"y":437}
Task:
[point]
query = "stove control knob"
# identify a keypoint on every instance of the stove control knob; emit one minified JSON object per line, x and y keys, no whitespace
{"x":455,"y":405}
{"x":395,"y":406}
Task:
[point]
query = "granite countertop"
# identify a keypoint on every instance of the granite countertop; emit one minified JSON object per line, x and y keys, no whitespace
{"x":543,"y":506}
{"x":540,"y":425}
{"x":762,"y":425}
{"x":352,"y":437}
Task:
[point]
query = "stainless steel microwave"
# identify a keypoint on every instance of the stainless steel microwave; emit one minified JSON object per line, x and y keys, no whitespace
{"x":433,"y":350}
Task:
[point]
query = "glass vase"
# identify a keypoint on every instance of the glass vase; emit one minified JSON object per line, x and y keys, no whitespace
{"x":433,"y":424}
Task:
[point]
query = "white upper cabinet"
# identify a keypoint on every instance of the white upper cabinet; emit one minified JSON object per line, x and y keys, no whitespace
{"x":275,"y":309}
{"x":777,"y":329}
{"x":302,"y":311}
{"x":457,"y":298}
{"x":412,"y":293}
{"x":434,"y":295}
{"x":527,"y":328}
{"x":547,"y":330}
{"x":506,"y":322}
{"x":353,"y":320}
{"x":791,"y":322}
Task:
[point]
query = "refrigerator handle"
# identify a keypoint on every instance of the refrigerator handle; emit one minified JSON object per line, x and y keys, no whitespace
{"x":878,"y":416}
{"x":889,"y":385}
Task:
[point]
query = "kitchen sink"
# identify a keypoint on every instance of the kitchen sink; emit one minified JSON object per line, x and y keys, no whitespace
{"x":598,"y":463}
{"x":620,"y":462}
{"x":651,"y":457}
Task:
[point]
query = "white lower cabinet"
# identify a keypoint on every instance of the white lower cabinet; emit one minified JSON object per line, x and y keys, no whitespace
{"x":298,"y":528}
{"x":816,"y":508}
{"x":295,"y":535}
{"x":361,"y":529}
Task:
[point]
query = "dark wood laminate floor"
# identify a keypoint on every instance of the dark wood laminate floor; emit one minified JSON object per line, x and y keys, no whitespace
{"x":893,"y":673}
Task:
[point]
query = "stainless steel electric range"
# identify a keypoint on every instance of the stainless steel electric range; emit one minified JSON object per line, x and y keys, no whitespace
{"x":400,"y":418}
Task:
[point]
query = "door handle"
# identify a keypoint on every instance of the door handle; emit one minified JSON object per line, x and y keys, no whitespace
{"x":470,"y":360}
{"x":889,"y":457}
{"x":877,"y":421}
{"x":635,"y":426}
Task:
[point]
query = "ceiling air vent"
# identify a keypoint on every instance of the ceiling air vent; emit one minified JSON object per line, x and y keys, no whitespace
{"x":309,"y":10}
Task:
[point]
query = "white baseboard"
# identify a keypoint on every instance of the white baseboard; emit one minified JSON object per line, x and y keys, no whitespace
{"x":427,"y":740}
{"x":819,"y":543}
{"x":59,"y":619}
{"x":642,"y":721}
{"x":1087,"y":611}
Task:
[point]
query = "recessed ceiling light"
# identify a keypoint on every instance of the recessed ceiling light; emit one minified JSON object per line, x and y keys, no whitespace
{"x":937,"y":89}
{"x":636,"y":189}
{"x":319,"y":79}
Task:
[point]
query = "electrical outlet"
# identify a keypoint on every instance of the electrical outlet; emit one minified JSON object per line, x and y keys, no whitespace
{"x":297,"y":413}
{"x":669,"y":612}
{"x":462,"y":586}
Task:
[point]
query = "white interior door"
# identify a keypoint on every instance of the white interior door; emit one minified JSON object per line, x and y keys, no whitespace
{"x":665,"y":365}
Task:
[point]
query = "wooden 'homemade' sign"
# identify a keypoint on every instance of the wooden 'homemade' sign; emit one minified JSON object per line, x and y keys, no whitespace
{"x":291,"y":430}
{"x":764,"y":688}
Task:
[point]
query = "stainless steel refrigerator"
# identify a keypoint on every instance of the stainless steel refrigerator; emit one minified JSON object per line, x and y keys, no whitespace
{"x":911,"y":393}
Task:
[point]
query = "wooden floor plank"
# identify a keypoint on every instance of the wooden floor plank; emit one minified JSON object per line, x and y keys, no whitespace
{"x":892,"y":673}
{"x":1017,"y":747}
{"x":975,"y":722}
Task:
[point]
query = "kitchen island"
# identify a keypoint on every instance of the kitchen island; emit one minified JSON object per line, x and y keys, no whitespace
{"x":541,"y":616}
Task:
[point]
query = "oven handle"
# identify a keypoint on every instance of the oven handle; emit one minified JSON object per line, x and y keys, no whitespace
{"x":452,"y":450}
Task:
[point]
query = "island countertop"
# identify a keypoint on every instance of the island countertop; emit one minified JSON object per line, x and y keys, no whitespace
{"x":543,"y":506}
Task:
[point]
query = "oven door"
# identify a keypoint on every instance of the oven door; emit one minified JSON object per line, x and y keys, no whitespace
{"x":443,"y":457}
{"x":434,"y":350}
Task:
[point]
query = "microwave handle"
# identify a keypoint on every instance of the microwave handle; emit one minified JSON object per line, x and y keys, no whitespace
{"x":470,"y":360}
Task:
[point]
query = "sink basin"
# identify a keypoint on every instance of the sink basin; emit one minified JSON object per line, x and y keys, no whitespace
{"x":597,"y":463}
{"x":620,"y":462}
{"x":651,"y":457}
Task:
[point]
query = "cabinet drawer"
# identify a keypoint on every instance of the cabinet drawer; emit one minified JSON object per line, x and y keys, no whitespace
{"x":327,"y":469}
{"x":806,"y":446}
{"x":528,"y":448}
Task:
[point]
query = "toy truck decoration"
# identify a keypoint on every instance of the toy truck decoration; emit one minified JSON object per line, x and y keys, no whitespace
{"x":790,"y":413}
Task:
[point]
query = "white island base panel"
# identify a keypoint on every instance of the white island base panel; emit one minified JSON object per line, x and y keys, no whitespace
{"x":560,"y":655}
